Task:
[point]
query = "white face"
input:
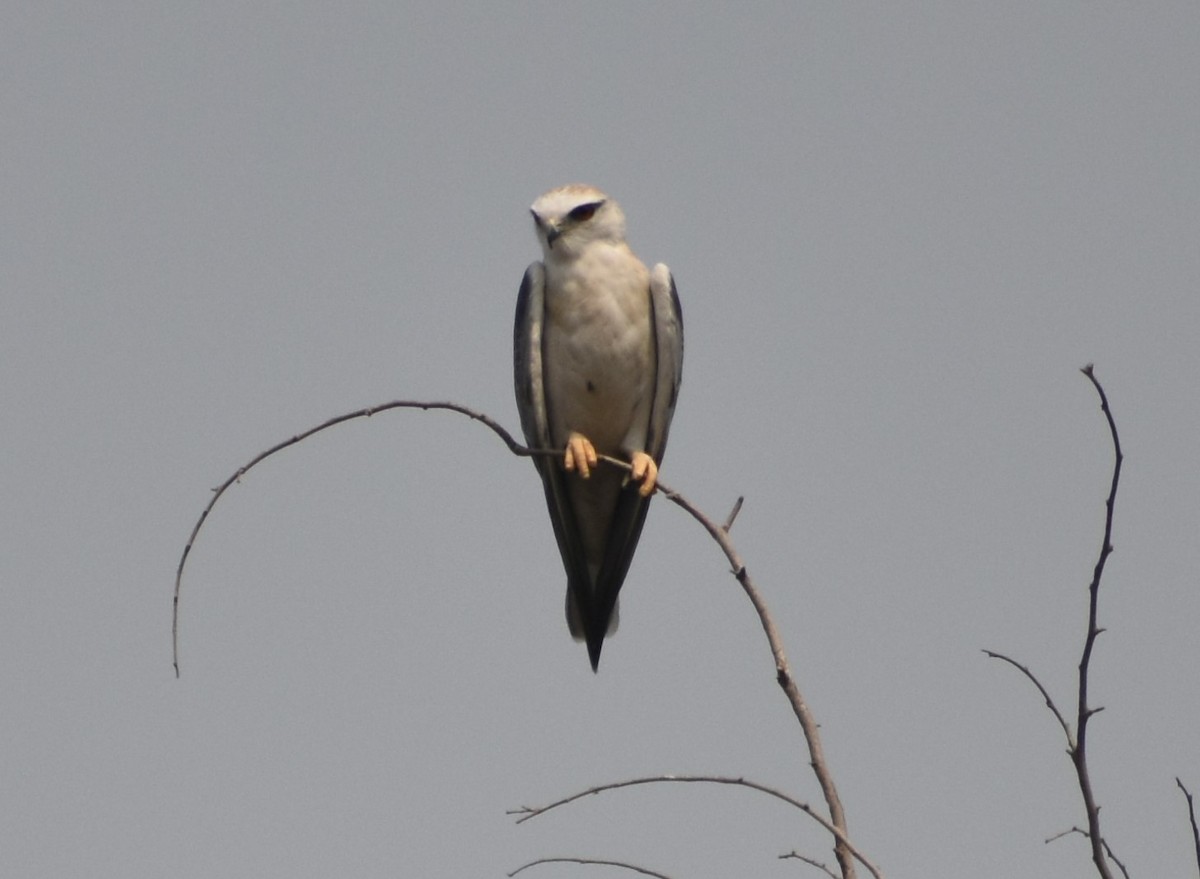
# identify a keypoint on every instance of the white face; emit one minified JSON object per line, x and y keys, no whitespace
{"x":568,"y":218}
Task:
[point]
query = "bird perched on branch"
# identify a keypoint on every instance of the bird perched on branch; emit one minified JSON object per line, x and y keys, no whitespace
{"x":598,"y":354}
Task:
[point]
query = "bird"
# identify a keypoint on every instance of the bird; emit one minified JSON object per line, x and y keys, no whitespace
{"x":597,"y":364}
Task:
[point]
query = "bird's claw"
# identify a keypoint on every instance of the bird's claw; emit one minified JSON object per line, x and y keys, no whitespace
{"x":643,"y":469}
{"x":580,"y":455}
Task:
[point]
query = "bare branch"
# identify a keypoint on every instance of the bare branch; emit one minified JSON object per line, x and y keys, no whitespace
{"x":836,"y":825}
{"x":1192,"y":818}
{"x":621,"y":864}
{"x":528,"y":812}
{"x":1045,"y":695}
{"x":1107,"y":849}
{"x":1077,"y":745}
{"x":783,"y":675}
{"x":1079,"y":752}
{"x":1056,"y":837}
{"x":812,"y":862}
{"x":513,"y":446}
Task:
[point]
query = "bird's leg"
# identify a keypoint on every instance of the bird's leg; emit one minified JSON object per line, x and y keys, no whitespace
{"x":580,"y":454}
{"x":643,"y":469}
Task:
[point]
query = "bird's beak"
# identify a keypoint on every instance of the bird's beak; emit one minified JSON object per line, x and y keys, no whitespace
{"x":550,"y":230}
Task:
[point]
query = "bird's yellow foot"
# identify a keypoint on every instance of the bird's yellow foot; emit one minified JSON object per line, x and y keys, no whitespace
{"x":643,"y":469}
{"x":580,"y":454}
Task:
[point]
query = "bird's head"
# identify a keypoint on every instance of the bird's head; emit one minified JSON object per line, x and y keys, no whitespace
{"x":569,"y":218}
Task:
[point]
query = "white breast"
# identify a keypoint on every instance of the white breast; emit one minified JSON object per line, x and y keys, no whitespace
{"x":599,"y":347}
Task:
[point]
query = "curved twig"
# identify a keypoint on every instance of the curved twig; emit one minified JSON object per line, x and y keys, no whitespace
{"x":836,"y":824}
{"x":631,"y":867}
{"x":1045,"y":695}
{"x":1192,"y":817}
{"x":513,"y":446}
{"x":528,"y":812}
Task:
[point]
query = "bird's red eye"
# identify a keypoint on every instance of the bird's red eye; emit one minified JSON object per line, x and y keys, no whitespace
{"x":584,"y":212}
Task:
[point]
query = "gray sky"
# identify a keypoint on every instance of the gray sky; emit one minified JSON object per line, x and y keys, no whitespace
{"x":898,"y":231}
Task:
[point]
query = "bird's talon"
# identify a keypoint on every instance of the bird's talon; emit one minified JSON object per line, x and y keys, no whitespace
{"x":643,"y":469}
{"x":580,"y":455}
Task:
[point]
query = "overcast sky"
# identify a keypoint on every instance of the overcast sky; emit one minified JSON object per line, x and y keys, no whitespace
{"x":898,"y":231}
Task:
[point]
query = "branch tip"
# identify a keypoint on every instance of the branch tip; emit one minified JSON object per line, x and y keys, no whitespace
{"x":737,"y":508}
{"x":1192,"y":818}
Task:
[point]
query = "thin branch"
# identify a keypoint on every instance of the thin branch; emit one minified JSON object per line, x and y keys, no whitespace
{"x":513,"y":446}
{"x":1077,"y":744}
{"x":1079,"y":752}
{"x":528,"y":812}
{"x":1056,"y":837}
{"x":783,"y":675}
{"x":1104,"y":842}
{"x":1045,"y":695}
{"x":631,"y":867}
{"x":837,"y":824}
{"x":1192,"y":818}
{"x":1108,"y":851}
{"x":812,"y":862}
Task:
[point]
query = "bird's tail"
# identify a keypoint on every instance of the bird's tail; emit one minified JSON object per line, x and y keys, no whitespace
{"x":593,"y":634}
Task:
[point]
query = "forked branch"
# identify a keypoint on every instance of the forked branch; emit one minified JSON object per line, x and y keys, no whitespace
{"x":1077,"y":742}
{"x":1120,"y":864}
{"x":812,"y":862}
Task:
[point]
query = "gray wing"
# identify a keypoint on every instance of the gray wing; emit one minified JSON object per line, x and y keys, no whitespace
{"x":668,"y":337}
{"x":630,"y":514}
{"x":529,"y":376}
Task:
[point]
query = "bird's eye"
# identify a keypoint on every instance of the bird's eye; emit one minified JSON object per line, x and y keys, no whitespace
{"x":584,"y":212}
